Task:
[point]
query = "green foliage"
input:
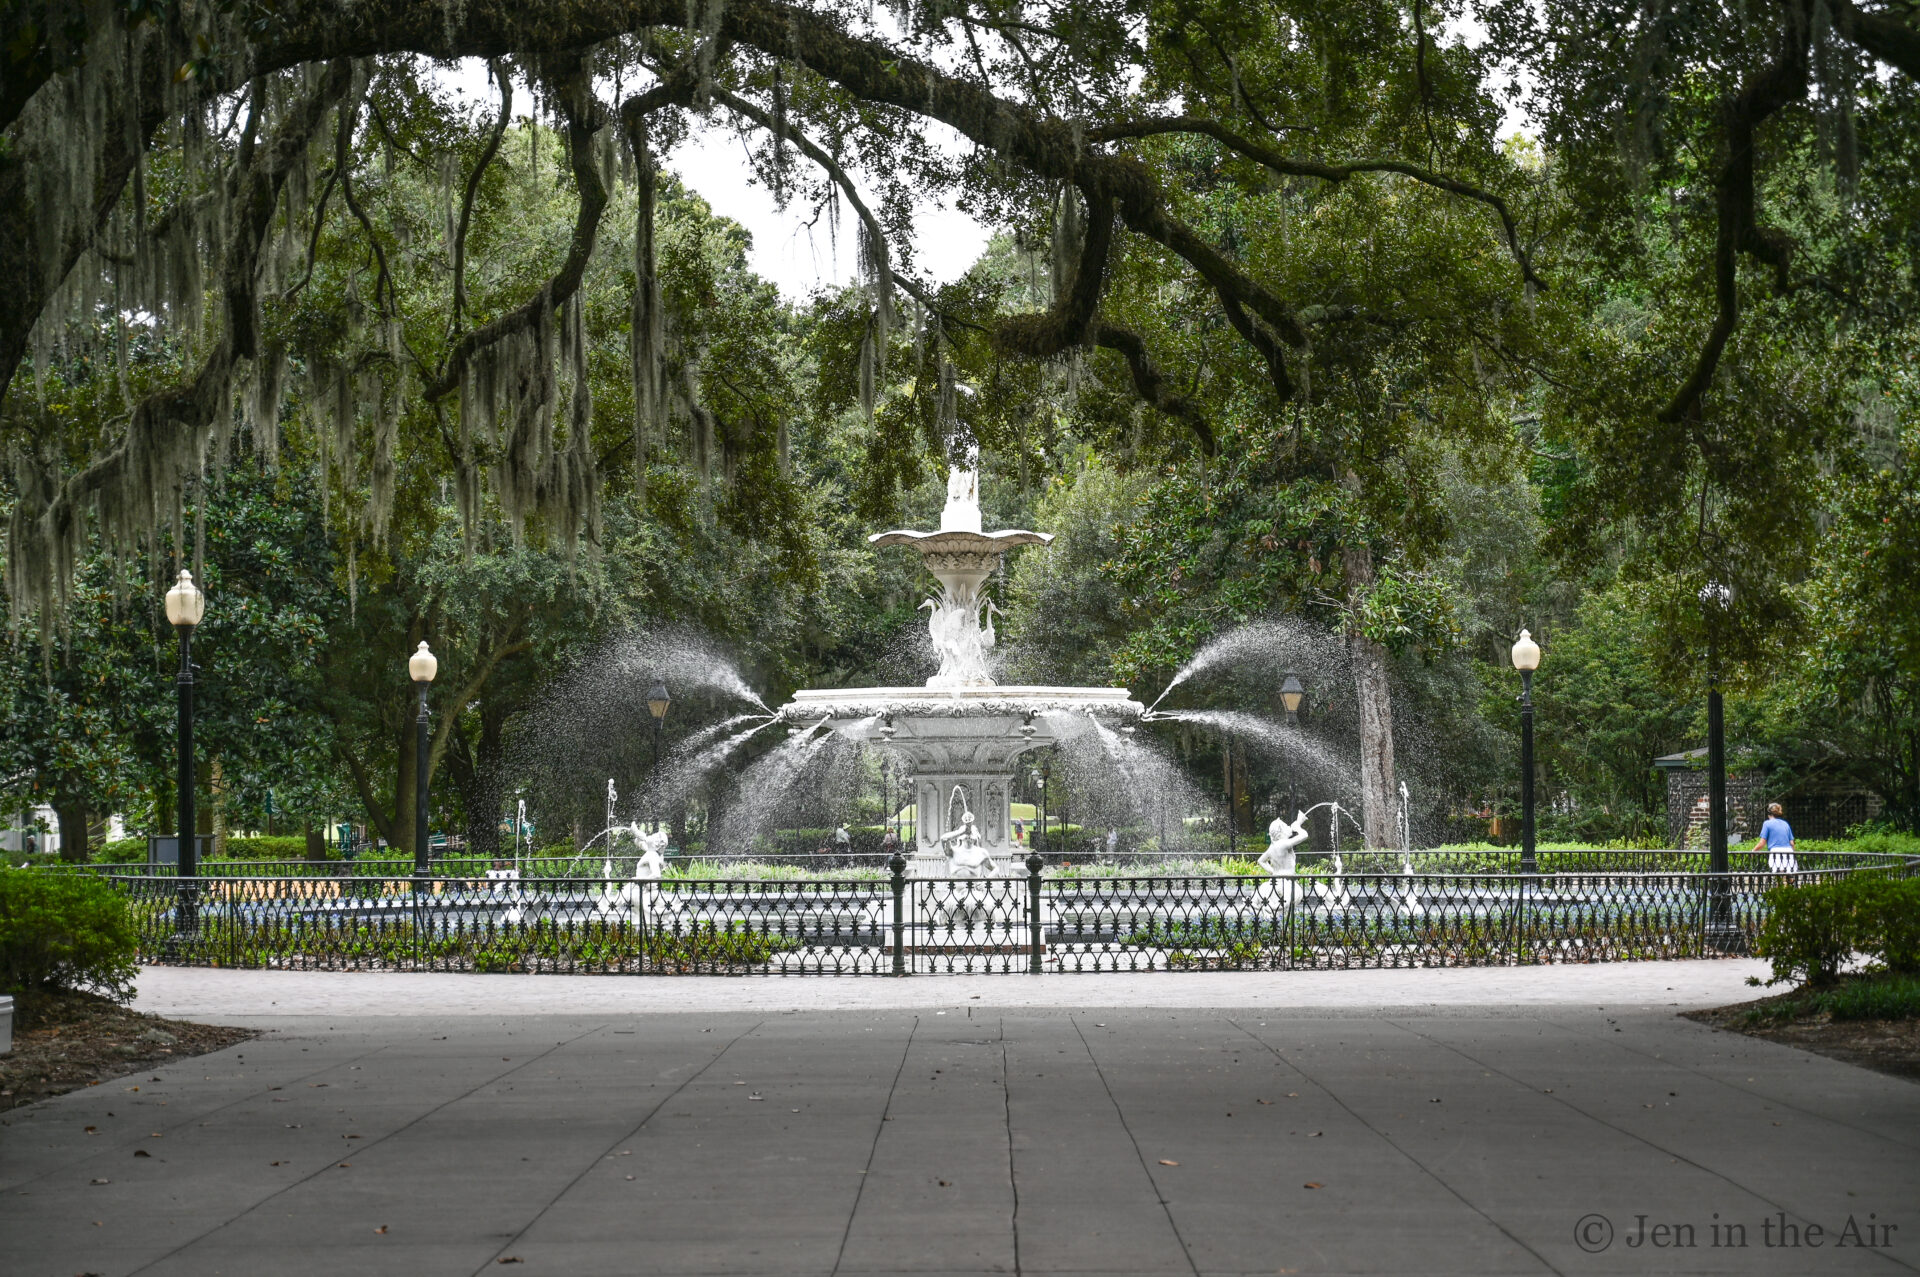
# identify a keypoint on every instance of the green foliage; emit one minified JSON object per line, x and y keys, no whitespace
{"x":1857,"y":697}
{"x":1811,"y":931}
{"x":1808,"y":932}
{"x":267,"y":847}
{"x":65,"y":931}
{"x":545,"y":947}
{"x":1888,"y":920}
{"x":1602,"y":715}
{"x":1860,"y":997}
{"x":1872,"y":998}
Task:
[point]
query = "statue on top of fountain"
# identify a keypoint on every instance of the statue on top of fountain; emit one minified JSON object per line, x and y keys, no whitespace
{"x":962,"y":557}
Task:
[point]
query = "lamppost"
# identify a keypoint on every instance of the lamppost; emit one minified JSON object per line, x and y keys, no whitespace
{"x":1715,"y":599}
{"x":657,"y":703}
{"x":1227,"y":753}
{"x":1526,"y":659}
{"x":1041,"y":774}
{"x":186,"y":605}
{"x":421,"y":667}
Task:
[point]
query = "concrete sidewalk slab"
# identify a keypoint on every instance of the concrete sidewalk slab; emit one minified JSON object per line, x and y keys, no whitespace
{"x":1554,"y":1138}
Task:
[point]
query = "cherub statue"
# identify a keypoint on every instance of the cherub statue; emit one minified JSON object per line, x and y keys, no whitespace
{"x":1282,"y":838}
{"x":967,"y":854}
{"x":639,"y":897}
{"x":1278,"y":860}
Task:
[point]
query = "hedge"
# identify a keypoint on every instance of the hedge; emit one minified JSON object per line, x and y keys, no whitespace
{"x":1810,"y":931}
{"x":128,"y":851}
{"x":65,"y":931}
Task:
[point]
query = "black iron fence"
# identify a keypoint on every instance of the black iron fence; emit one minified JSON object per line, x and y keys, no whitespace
{"x":900,"y":925}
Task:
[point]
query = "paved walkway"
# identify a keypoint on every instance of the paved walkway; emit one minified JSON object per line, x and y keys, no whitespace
{"x":1541,"y":1138}
{"x":233,"y":996}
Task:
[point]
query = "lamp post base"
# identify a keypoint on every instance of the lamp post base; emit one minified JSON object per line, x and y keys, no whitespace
{"x":1725,"y":940}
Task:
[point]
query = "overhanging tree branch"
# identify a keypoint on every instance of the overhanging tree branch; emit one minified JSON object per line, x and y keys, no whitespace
{"x":1880,"y":34}
{"x":1152,"y":385}
{"x":1291,"y":166}
{"x":1738,"y":230}
{"x":492,"y":148}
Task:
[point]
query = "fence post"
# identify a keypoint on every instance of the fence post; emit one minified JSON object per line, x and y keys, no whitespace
{"x":1035,"y":960}
{"x":897,"y":865}
{"x":1520,"y":921}
{"x":1293,"y":893}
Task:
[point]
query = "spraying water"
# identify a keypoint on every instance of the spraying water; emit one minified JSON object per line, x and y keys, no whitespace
{"x":1263,"y":644}
{"x":763,"y":788}
{"x":1299,"y":748}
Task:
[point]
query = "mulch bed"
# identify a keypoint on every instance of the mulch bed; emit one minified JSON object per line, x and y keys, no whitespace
{"x":64,"y":1041}
{"x":1886,"y":1046}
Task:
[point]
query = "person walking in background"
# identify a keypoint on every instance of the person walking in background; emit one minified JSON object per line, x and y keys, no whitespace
{"x":1776,"y":837}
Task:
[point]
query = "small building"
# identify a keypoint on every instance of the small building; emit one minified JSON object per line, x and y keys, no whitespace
{"x":1814,"y":808}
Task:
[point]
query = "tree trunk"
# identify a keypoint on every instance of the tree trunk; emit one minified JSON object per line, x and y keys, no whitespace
{"x":217,"y":791}
{"x":72,"y":813}
{"x":477,"y":771}
{"x":400,"y":830}
{"x":316,"y":845}
{"x":1375,"y":700}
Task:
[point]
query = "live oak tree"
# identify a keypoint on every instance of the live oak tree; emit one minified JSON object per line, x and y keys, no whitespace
{"x":1742,"y":240}
{"x":177,"y":168}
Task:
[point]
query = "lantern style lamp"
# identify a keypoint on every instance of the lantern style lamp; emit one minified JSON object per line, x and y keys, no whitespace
{"x":1292,"y":693}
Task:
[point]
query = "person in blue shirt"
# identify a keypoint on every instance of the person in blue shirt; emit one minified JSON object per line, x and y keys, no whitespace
{"x":1776,"y":838}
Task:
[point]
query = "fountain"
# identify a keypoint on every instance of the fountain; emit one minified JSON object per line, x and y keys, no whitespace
{"x":961,"y":734}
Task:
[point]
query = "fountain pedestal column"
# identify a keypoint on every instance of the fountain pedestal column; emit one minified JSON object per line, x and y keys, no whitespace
{"x":940,"y":798}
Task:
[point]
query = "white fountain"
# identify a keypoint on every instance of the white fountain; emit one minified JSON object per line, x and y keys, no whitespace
{"x":961,"y":734}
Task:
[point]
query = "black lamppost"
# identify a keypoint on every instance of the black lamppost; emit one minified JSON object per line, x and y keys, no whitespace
{"x":657,"y":703}
{"x":1041,"y":774}
{"x":1716,"y":598}
{"x":1227,"y":753}
{"x":1526,"y":659}
{"x":421,"y":667}
{"x":186,"y":605}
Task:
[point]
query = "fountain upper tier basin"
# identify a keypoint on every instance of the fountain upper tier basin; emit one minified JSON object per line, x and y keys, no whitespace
{"x":979,"y":725}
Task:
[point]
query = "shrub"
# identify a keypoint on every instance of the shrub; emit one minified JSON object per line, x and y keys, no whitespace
{"x":65,"y":931}
{"x":276,"y":847}
{"x":121,"y":851}
{"x":1876,"y":998}
{"x":1888,"y":921}
{"x":1809,"y":931}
